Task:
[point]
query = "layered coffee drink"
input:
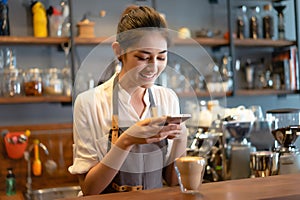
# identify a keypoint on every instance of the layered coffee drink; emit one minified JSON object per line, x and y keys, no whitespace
{"x":190,"y":170}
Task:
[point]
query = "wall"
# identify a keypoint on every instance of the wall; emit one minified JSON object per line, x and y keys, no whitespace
{"x":192,"y":13}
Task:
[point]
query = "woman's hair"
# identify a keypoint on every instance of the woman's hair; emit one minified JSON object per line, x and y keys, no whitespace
{"x":135,"y":20}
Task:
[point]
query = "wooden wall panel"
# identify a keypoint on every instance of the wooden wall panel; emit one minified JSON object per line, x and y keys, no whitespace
{"x":58,"y":139}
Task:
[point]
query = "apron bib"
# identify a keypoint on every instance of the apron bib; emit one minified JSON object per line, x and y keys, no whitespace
{"x":143,"y":167}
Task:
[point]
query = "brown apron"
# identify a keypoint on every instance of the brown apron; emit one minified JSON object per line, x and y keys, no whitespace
{"x":143,"y":167}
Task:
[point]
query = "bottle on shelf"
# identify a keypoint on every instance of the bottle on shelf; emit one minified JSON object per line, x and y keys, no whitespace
{"x":4,"y":18}
{"x":10,"y":182}
{"x":242,"y":23}
{"x":279,"y":7}
{"x":249,"y":69}
{"x":66,"y":25}
{"x":40,"y":28}
{"x":226,"y":73}
{"x":268,"y":22}
{"x":255,"y":23}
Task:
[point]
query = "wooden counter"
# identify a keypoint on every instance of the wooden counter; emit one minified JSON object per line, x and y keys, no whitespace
{"x":281,"y":187}
{"x":18,"y":196}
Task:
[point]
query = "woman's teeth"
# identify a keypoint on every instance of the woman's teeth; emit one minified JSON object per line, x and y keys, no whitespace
{"x":147,"y":76}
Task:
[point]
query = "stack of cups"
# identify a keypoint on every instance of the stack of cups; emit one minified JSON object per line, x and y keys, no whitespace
{"x":264,"y":163}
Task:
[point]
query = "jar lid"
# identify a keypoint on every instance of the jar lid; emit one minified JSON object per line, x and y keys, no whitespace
{"x":34,"y":70}
{"x":53,"y":70}
{"x":12,"y":70}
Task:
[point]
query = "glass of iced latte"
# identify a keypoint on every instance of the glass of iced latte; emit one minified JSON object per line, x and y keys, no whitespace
{"x":190,"y":171}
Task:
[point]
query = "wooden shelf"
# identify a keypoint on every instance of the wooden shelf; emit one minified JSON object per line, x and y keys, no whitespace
{"x":15,"y":40}
{"x":177,"y":41}
{"x":33,"y":99}
{"x":213,"y":42}
{"x":94,"y":41}
{"x":203,"y":94}
{"x":263,"y":92}
{"x":202,"y":41}
{"x":263,"y":43}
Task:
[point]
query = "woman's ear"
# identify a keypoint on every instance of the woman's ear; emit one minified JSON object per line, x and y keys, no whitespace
{"x":117,"y":49}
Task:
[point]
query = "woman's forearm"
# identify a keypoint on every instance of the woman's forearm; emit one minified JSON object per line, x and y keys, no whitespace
{"x":101,"y":175}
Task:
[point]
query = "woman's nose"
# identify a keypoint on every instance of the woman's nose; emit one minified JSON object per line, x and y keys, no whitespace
{"x":153,"y":63}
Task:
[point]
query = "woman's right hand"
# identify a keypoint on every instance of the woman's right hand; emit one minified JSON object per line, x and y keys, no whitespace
{"x":150,"y":130}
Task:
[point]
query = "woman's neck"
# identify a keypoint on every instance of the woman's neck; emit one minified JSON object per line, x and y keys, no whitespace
{"x":137,"y":94}
{"x":137,"y":101}
{"x":128,"y":85}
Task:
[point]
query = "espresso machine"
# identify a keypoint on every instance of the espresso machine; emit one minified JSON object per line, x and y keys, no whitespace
{"x":286,"y":129}
{"x":238,"y":149}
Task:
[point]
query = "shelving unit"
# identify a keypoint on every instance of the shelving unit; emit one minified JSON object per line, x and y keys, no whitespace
{"x":258,"y":43}
{"x":231,"y":43}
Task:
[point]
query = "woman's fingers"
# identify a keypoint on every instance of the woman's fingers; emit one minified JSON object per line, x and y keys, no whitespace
{"x":152,"y":121}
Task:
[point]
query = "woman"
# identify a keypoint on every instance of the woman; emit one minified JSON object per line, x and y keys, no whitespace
{"x":121,"y":141}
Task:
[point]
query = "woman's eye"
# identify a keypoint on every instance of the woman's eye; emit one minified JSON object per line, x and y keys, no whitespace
{"x":161,"y":58}
{"x":141,"y":58}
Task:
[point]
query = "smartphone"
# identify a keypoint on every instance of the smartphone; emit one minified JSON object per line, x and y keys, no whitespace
{"x":177,"y":119}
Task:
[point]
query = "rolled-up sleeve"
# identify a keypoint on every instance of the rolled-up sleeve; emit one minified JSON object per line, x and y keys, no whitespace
{"x":85,"y":153}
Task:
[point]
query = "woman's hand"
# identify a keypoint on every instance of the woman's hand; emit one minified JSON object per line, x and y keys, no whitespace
{"x":150,"y":130}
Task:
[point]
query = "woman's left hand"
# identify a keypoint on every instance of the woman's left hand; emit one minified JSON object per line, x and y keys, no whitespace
{"x":152,"y":130}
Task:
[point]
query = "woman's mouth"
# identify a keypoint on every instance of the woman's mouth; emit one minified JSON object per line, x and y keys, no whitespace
{"x":148,"y":76}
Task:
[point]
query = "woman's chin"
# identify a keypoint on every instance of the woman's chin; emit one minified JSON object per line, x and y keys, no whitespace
{"x":148,"y":85}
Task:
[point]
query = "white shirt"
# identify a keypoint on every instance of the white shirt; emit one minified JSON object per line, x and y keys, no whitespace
{"x":93,"y":118}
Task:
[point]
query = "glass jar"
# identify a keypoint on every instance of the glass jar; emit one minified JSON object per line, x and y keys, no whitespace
{"x":33,"y":85}
{"x":214,"y":80}
{"x":12,"y":82}
{"x":67,"y":81}
{"x":53,"y":83}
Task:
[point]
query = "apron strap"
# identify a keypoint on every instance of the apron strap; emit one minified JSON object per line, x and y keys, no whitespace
{"x":115,"y":132}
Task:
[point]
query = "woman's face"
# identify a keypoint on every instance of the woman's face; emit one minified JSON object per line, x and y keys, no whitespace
{"x":143,"y":63}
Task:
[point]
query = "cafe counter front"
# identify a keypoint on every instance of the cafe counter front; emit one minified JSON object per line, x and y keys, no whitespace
{"x":280,"y":187}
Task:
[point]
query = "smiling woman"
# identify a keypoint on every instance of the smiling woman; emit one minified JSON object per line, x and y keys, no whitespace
{"x":121,"y":140}
{"x":144,"y":62}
